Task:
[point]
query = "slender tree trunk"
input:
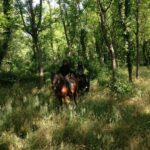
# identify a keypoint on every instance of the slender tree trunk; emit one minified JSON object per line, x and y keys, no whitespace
{"x":35,"y":38}
{"x":127,"y":41}
{"x":65,"y":28}
{"x":113,"y":59}
{"x":124,"y":12}
{"x":109,"y":44}
{"x":51,"y":29}
{"x":128,"y":54}
{"x":7,"y":30}
{"x":99,"y":50}
{"x":137,"y":39}
{"x":39,"y":58}
{"x":146,"y":53}
{"x":34,"y":33}
{"x":82,"y":42}
{"x":129,"y":64}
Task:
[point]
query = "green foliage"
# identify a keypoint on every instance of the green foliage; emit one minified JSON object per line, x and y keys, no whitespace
{"x":2,"y":21}
{"x":30,"y":117}
{"x":93,"y":68}
{"x":113,"y":115}
{"x":104,"y":76}
{"x":121,"y":87}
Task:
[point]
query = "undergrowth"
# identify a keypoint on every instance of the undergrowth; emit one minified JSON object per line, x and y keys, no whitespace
{"x":115,"y":117}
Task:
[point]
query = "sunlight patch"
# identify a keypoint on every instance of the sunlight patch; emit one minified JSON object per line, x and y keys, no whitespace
{"x":147,"y":109}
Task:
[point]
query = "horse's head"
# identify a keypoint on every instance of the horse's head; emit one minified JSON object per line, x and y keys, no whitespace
{"x":56,"y":80}
{"x":73,"y":82}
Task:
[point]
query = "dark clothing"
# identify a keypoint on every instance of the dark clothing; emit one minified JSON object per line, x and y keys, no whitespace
{"x":64,"y":70}
{"x":80,"y":70}
{"x":84,"y":82}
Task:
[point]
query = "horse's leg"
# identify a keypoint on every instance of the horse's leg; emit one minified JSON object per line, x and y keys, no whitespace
{"x":60,"y":101}
{"x":74,"y":98}
{"x":87,"y":84}
{"x":87,"y":87}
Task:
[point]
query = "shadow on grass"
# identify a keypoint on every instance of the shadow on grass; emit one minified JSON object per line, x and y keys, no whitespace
{"x":105,"y":125}
{"x":133,"y":131}
{"x":21,"y":104}
{"x":97,"y":123}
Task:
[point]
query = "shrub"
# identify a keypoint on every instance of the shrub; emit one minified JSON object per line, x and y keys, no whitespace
{"x":121,"y":87}
{"x":104,"y":76}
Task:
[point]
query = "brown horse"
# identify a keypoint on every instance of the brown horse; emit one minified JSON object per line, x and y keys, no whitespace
{"x":73,"y":86}
{"x":64,"y":87}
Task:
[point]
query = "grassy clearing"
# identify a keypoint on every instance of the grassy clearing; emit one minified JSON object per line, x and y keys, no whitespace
{"x":104,"y":120}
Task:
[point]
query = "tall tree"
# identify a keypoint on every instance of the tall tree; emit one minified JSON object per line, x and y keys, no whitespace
{"x":50,"y":25}
{"x":64,"y":18}
{"x":32,"y":25}
{"x":137,"y":38}
{"x":7,"y":31}
{"x":102,"y":15}
{"x":81,"y":28}
{"x":127,"y":38}
{"x":69,"y":17}
{"x":124,"y":10}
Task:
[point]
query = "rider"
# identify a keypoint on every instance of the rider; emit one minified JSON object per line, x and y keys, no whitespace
{"x":65,"y":68}
{"x":80,"y":73}
{"x":80,"y":69}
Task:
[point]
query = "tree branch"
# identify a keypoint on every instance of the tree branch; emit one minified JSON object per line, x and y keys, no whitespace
{"x":103,"y":9}
{"x":21,"y":13}
{"x":108,"y":6}
{"x":40,"y":16}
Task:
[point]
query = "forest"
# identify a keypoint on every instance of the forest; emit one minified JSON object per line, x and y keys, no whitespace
{"x":111,"y":38}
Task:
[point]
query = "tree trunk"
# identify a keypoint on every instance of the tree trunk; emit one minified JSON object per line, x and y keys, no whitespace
{"x":99,"y":50}
{"x":65,"y":29}
{"x":127,"y":41}
{"x":34,"y":33}
{"x":129,"y":65}
{"x":39,"y":58}
{"x":145,"y":61}
{"x":113,"y":59}
{"x":109,"y":44}
{"x":146,"y":53}
{"x":35,"y":38}
{"x":82,"y":42}
{"x":7,"y":30}
{"x":137,"y":39}
{"x":124,"y":12}
{"x":51,"y":30}
{"x":128,"y":55}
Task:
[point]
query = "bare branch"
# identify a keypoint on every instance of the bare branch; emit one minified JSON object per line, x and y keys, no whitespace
{"x":103,"y":9}
{"x":33,"y":24}
{"x":21,"y":13}
{"x":40,"y":16}
{"x":108,"y":6}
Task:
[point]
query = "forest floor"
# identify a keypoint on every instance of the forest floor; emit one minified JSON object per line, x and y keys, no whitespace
{"x":103,"y":120}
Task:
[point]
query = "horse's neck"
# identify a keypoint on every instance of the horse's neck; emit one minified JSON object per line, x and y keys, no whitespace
{"x":62,"y":80}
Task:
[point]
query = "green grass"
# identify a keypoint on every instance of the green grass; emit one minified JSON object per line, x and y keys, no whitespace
{"x":103,"y":120}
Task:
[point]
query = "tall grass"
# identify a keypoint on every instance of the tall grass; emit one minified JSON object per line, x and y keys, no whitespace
{"x":103,"y":120}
